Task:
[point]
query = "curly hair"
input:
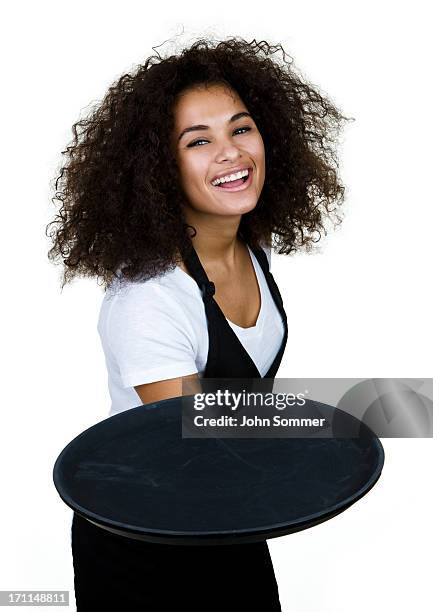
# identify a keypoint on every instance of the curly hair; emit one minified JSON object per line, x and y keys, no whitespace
{"x":121,"y":203}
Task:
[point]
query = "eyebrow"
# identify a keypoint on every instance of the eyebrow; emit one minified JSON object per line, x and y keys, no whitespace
{"x":195,"y":128}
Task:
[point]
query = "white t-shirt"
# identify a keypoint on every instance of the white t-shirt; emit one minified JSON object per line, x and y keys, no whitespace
{"x":157,"y":329}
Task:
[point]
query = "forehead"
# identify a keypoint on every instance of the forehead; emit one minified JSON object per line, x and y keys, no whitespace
{"x":203,"y":103}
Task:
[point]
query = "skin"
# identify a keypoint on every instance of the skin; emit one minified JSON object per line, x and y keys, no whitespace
{"x":216,"y":215}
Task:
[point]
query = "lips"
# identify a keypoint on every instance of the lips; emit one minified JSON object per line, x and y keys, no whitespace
{"x":232,"y":171}
{"x":241,"y":187}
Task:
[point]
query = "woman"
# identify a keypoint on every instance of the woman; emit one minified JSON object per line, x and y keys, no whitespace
{"x":172,"y":191}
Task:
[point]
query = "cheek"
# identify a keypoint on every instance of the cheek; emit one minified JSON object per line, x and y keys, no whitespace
{"x":261,"y":150}
{"x":192,"y":172}
{"x":259,"y":156}
{"x":257,"y":150}
{"x":261,"y":162}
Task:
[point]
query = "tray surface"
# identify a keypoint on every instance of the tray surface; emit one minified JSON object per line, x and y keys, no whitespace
{"x":134,"y":473}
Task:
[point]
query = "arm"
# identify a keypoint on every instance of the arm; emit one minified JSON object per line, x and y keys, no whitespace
{"x":173,"y":387}
{"x":153,"y":343}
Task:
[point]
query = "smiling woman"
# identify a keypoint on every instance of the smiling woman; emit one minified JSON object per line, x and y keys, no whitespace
{"x":173,"y":191}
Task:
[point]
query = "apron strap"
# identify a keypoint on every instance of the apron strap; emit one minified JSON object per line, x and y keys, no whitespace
{"x":197,"y":271}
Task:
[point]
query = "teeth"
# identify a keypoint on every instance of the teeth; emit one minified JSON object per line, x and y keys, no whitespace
{"x":231,"y":177}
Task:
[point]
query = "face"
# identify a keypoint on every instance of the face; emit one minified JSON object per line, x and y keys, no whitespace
{"x":214,"y":136}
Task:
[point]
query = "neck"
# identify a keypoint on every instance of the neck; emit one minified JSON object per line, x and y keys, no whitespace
{"x":216,"y":241}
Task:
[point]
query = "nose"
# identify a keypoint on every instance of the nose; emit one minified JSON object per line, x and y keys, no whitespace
{"x":227,"y":151}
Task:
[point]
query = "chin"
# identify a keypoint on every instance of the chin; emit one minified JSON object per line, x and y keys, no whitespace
{"x":227,"y":205}
{"x":236,"y":209}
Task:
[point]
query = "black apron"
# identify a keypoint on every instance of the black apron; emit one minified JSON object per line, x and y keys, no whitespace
{"x":113,"y":570}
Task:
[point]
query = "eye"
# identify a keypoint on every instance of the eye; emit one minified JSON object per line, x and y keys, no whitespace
{"x":192,"y":144}
{"x":243,"y":128}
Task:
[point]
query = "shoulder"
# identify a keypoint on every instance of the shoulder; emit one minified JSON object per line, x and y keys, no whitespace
{"x":159,"y":308}
{"x":145,"y":302}
{"x":267,"y":250}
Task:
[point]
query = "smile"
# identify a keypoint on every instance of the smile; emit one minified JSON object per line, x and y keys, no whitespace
{"x":237,"y":185}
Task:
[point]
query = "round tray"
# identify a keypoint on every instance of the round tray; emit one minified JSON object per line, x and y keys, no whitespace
{"x":135,"y":475}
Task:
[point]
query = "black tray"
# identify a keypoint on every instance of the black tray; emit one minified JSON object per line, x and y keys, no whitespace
{"x":135,"y":475}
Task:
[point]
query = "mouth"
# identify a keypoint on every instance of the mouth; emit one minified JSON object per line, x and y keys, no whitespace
{"x":238,"y":185}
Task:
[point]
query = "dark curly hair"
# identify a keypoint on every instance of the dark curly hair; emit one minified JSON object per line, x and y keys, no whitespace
{"x":121,"y":203}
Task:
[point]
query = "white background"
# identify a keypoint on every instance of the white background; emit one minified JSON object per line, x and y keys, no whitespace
{"x":359,"y":307}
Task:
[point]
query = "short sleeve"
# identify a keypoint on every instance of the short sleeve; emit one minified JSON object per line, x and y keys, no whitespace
{"x":149,"y":335}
